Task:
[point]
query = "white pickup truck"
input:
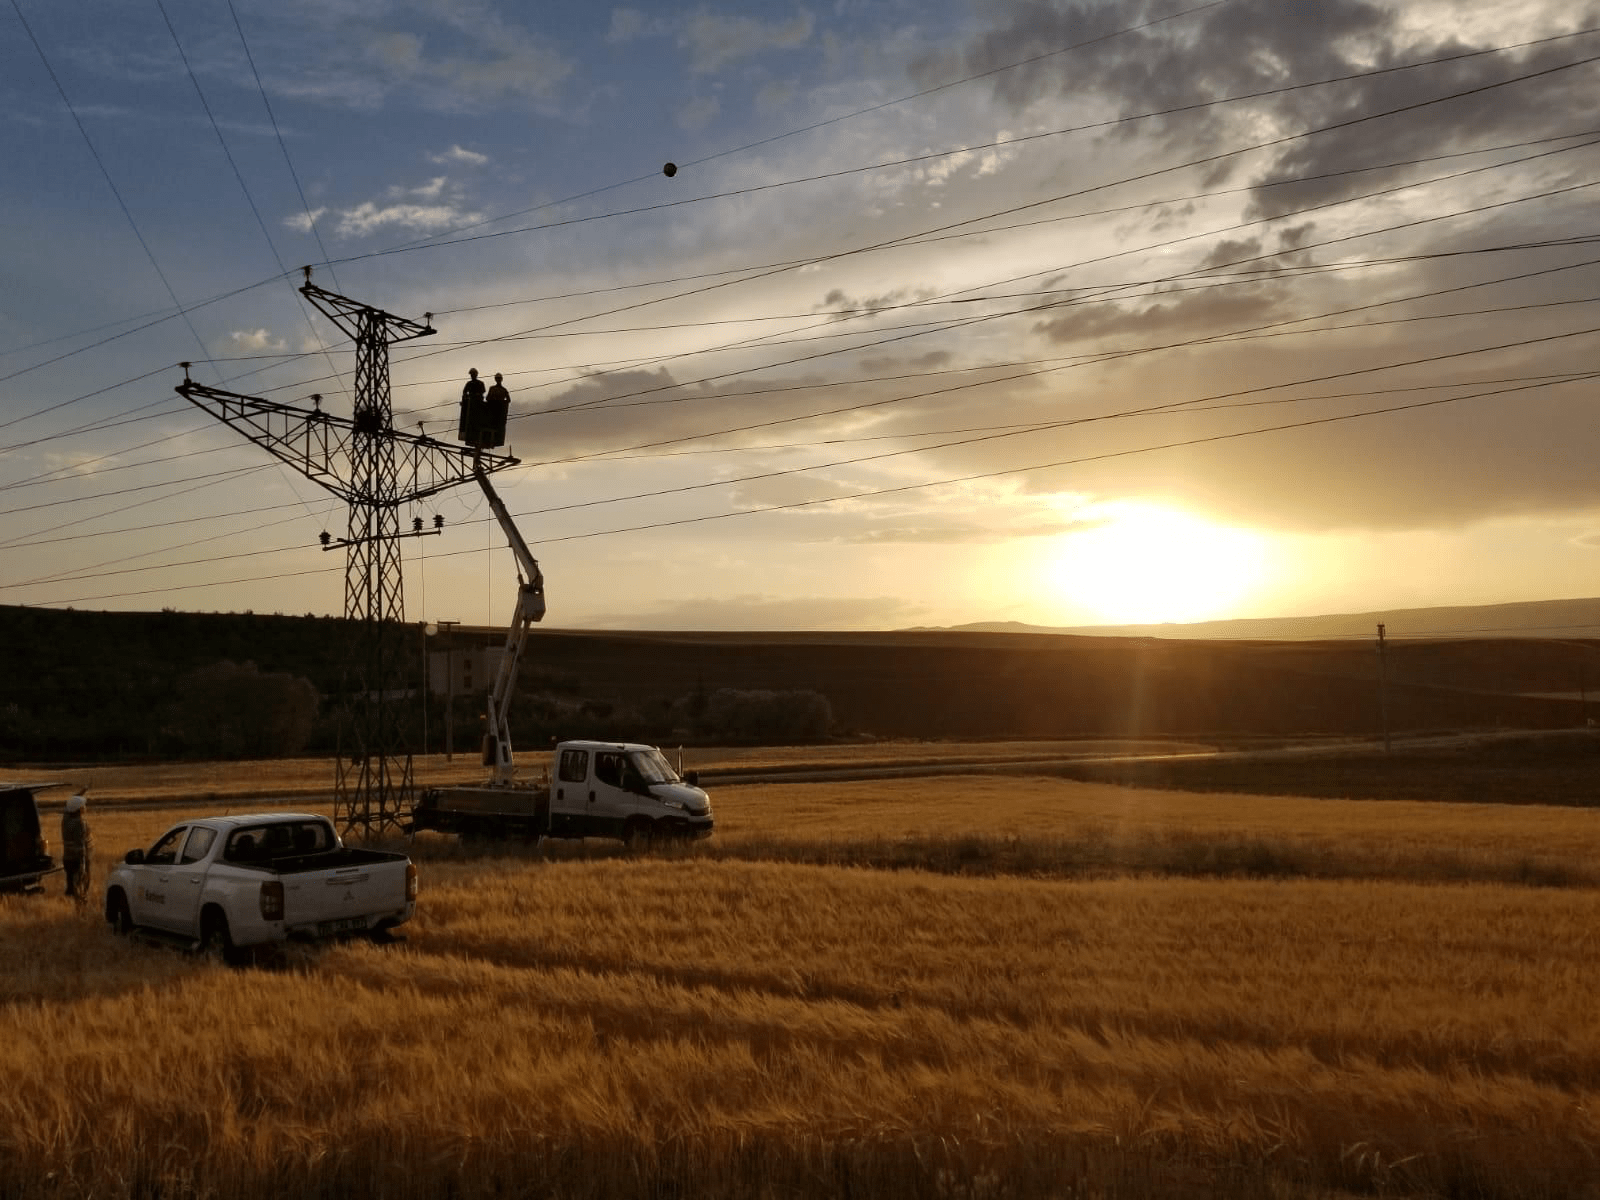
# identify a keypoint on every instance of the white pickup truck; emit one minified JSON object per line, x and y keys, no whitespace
{"x":230,"y":884}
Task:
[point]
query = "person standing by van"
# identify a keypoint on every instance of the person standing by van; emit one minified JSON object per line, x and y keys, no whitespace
{"x":77,"y":848}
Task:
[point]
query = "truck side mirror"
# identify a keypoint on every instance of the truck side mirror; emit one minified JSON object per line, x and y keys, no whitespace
{"x":692,"y":778}
{"x":133,"y":857}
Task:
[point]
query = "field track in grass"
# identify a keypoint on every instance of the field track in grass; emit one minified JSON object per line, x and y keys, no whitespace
{"x":757,"y":1017}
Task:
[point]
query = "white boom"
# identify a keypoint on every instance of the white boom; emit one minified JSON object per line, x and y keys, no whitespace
{"x":530,"y":608}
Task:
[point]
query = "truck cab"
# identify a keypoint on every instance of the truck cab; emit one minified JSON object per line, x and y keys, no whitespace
{"x":623,"y":790}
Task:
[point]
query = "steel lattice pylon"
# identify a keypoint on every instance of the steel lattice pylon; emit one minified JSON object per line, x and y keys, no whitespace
{"x":375,"y":469}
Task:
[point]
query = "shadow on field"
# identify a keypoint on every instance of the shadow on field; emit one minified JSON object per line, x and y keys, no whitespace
{"x":54,"y":951}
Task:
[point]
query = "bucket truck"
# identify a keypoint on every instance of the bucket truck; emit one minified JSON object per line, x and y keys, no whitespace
{"x":622,"y":790}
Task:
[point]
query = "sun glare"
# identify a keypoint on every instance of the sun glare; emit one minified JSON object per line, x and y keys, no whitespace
{"x":1141,"y":564}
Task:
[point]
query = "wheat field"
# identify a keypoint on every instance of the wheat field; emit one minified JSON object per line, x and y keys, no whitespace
{"x":1059,"y":989}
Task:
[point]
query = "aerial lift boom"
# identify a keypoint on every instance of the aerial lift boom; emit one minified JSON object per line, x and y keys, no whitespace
{"x":530,"y":608}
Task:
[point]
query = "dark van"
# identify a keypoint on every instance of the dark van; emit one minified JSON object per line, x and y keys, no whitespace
{"x":24,"y":853}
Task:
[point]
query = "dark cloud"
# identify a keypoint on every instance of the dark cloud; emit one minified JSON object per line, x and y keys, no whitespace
{"x":1186,"y":315}
{"x":931,"y":361}
{"x":1256,"y":45}
{"x":846,"y":306}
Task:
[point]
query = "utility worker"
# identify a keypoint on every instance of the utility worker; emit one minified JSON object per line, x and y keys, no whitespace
{"x":471,"y":409}
{"x":494,"y":429}
{"x":77,"y":848}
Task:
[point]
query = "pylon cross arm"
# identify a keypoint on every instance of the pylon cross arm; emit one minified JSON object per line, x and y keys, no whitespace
{"x":323,"y":447}
{"x":356,"y":318}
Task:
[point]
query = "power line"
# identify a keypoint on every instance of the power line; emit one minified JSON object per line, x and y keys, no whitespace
{"x":1101,"y":357}
{"x":755,"y":188}
{"x":1185,"y":406}
{"x":181,"y":310}
{"x":970,"y":478}
{"x":239,"y":175}
{"x":429,"y":241}
{"x":1036,"y":309}
{"x":902,"y":488}
{"x":110,"y":183}
{"x":1201,"y":161}
{"x":305,"y":205}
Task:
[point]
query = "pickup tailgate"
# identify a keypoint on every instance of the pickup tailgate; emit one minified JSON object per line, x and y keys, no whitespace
{"x":346,"y":898}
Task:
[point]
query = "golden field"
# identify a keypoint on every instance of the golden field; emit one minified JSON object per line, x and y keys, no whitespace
{"x":1060,"y":989}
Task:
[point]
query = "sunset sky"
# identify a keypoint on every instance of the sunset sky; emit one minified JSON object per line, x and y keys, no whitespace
{"x":954,"y":310}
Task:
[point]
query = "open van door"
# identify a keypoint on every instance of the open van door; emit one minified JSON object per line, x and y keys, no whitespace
{"x":24,"y":851}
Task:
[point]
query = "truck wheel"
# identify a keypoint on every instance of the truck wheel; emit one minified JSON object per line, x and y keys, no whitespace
{"x":118,"y":914}
{"x":216,"y":942}
{"x":638,"y":834}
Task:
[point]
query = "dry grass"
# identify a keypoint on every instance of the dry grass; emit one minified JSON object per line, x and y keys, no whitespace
{"x":722,"y":1024}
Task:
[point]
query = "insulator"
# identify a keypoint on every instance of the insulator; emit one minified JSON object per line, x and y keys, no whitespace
{"x":416,"y":524}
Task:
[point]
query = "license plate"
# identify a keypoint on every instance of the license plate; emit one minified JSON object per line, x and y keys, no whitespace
{"x":342,"y":925}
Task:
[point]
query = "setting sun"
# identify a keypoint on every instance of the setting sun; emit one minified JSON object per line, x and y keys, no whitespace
{"x":1141,"y":564}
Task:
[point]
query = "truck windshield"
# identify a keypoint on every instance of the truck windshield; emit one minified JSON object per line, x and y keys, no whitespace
{"x":653,"y":766}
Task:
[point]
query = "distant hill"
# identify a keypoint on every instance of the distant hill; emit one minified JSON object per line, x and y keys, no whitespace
{"x":1531,"y":618}
{"x":90,"y":685}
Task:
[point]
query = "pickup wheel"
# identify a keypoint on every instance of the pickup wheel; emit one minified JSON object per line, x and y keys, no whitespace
{"x":118,"y":913}
{"x":216,"y":942}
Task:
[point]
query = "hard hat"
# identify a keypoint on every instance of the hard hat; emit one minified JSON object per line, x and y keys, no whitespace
{"x":75,"y":803}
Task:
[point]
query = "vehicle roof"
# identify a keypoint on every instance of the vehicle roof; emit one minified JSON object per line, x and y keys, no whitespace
{"x":582,"y":744}
{"x":234,"y":820}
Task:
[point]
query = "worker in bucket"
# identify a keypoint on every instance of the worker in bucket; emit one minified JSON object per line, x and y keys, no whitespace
{"x":471,"y":409}
{"x":77,"y":848}
{"x":497,"y":405}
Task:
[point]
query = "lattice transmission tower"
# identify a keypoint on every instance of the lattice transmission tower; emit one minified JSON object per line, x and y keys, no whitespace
{"x":375,"y":469}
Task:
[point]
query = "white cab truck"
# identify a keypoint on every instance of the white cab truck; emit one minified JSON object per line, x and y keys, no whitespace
{"x":230,"y":884}
{"x":598,"y":789}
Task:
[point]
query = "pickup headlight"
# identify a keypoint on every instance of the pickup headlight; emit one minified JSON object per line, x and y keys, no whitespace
{"x":670,"y":803}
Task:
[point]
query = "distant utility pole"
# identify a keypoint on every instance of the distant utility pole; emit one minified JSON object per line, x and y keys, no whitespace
{"x":1383,"y":686}
{"x":375,"y":468}
{"x":445,"y":628}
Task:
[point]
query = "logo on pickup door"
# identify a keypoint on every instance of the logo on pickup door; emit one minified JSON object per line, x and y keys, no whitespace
{"x":153,"y":897}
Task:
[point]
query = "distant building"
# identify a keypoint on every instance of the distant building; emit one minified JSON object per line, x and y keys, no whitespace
{"x":473,"y":669}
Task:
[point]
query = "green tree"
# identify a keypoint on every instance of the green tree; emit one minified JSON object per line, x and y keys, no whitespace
{"x":228,"y":710}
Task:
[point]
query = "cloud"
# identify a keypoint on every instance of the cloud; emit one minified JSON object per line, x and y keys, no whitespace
{"x":846,"y":306}
{"x":713,"y":40}
{"x":627,"y":24}
{"x":367,"y":218}
{"x":256,"y":340}
{"x":698,"y":113}
{"x":1251,"y":46}
{"x":457,"y":154}
{"x":425,"y":207}
{"x":986,"y":533}
{"x":756,"y":611}
{"x":302,"y":222}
